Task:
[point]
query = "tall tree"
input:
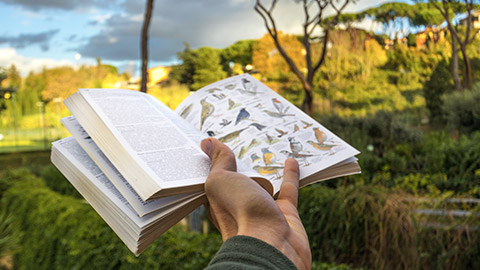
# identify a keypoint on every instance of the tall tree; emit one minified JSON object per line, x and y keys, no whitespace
{"x":446,"y":7}
{"x":146,"y":25}
{"x":314,"y":12}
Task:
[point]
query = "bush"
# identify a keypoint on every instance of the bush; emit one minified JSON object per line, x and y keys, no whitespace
{"x":372,"y":227}
{"x":462,"y":109}
{"x":61,"y":232}
{"x":55,"y":180}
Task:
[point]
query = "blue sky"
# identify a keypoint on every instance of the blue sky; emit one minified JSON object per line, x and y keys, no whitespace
{"x":51,"y":32}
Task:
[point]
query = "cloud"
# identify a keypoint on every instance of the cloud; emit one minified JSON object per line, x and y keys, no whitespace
{"x":200,"y":23}
{"x":23,"y":40}
{"x":9,"y":56}
{"x":36,"y":5}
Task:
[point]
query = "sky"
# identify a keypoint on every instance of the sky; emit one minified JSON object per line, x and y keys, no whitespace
{"x":49,"y":33}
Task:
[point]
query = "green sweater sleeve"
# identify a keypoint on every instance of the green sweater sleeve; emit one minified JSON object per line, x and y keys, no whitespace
{"x":245,"y":252}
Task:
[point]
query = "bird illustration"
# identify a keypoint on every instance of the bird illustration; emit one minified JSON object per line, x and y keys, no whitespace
{"x":307,"y":125}
{"x":295,"y":128}
{"x":212,"y":90}
{"x":225,"y":122}
{"x":232,"y":105}
{"x":242,"y":152}
{"x":248,"y":85}
{"x":271,"y":139}
{"x":268,"y":170}
{"x":277,"y":114}
{"x":280,"y":132}
{"x":207,"y":110}
{"x":319,"y":135}
{"x":211,"y":133}
{"x":220,"y":96}
{"x":258,"y":126}
{"x":321,"y":146}
{"x":297,"y":156}
{"x":186,"y":111}
{"x":295,"y":146}
{"x":268,"y":157}
{"x":254,"y":157}
{"x":231,"y":136}
{"x":230,"y":86}
{"x":278,"y":105}
{"x":254,"y":142}
{"x":242,"y":115}
{"x":259,"y":106}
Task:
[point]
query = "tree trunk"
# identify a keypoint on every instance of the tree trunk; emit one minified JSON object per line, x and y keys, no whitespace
{"x":307,"y":104}
{"x":146,"y":25}
{"x":468,"y":69}
{"x":455,"y":70}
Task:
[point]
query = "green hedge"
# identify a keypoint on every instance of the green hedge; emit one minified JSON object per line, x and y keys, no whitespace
{"x":61,"y":232}
{"x":372,"y":227}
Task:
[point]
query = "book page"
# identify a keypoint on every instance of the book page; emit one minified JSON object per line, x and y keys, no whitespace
{"x":74,"y":154}
{"x":166,"y":148}
{"x":262,"y":128}
{"x":127,"y":191}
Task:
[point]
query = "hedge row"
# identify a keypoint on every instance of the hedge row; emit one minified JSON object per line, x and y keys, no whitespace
{"x":62,"y":232}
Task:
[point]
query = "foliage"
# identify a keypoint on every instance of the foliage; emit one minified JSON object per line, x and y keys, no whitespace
{"x":55,"y":180}
{"x":73,"y":236}
{"x":200,"y":67}
{"x":462,"y":109}
{"x":440,"y":83}
{"x":239,"y":52}
{"x":372,"y":227}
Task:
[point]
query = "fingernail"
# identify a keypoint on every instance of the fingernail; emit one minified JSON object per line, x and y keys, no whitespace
{"x":206,"y":146}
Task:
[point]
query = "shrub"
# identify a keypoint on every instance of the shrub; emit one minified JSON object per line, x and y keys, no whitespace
{"x":462,"y":109}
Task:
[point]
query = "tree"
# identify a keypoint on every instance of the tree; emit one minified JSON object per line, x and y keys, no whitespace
{"x":144,"y":43}
{"x":200,"y":67}
{"x":392,"y":16}
{"x":239,"y":52}
{"x":314,"y":12}
{"x":446,"y":7}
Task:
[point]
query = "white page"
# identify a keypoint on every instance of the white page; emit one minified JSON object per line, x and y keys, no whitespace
{"x":161,"y":148}
{"x":243,"y":104}
{"x":74,"y":153}
{"x":140,"y":206}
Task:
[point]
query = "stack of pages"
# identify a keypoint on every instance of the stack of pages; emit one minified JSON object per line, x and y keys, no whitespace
{"x":140,"y":166}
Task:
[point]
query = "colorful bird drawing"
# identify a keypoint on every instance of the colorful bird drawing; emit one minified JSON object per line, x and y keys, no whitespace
{"x":307,"y":125}
{"x":254,"y":157}
{"x":259,"y":106}
{"x":278,"y":105}
{"x":211,"y":133}
{"x":247,"y":85}
{"x":207,"y":110}
{"x":268,"y":170}
{"x":295,"y":146}
{"x":280,"y":132}
{"x":319,"y":135}
{"x":258,"y":126}
{"x":295,"y":128}
{"x":242,"y":152}
{"x":253,"y":143}
{"x":243,"y":114}
{"x":268,"y":157}
{"x":232,"y":105}
{"x":186,"y":111}
{"x":297,"y":156}
{"x":271,"y":140}
{"x":321,"y":146}
{"x":277,"y":114}
{"x":225,"y":123}
{"x":231,"y":136}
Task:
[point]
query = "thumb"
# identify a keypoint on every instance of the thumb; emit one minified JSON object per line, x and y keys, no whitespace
{"x":221,"y":156}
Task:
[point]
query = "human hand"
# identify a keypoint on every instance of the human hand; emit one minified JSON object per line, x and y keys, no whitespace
{"x":240,"y":206}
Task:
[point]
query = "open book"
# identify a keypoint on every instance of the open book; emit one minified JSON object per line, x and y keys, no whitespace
{"x":149,"y":157}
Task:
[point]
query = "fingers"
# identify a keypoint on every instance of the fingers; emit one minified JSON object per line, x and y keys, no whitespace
{"x":289,"y":188}
{"x":221,"y":156}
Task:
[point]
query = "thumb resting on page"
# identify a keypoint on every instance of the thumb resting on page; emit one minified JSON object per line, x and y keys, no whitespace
{"x":237,"y":205}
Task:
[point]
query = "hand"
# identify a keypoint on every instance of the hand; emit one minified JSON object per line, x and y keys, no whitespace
{"x":240,"y":206}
